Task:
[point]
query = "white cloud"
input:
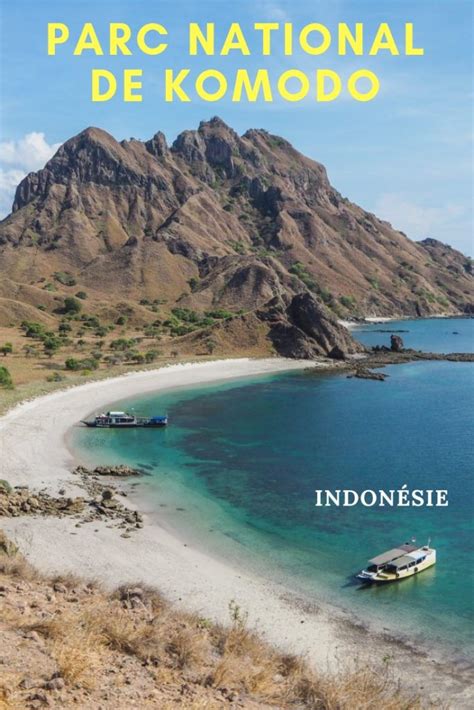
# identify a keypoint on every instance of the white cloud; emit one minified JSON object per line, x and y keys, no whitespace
{"x":417,"y":220}
{"x":30,"y":152}
{"x":9,"y":179}
{"x":17,"y":158}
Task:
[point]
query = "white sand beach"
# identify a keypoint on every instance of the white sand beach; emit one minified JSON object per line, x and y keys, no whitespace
{"x":34,"y":453}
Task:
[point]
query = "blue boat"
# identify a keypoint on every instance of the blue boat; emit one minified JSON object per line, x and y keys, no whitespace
{"x":123,"y":420}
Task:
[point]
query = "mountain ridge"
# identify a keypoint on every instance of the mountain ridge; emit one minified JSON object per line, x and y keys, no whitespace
{"x":217,"y":220}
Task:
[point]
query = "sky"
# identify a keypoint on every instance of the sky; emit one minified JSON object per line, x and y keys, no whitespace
{"x":406,"y":155}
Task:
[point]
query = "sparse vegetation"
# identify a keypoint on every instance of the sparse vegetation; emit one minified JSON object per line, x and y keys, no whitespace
{"x":347,"y":301}
{"x":299,"y":270}
{"x":88,"y":635}
{"x":373,"y":281}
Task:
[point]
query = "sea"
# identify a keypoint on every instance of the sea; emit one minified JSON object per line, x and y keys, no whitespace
{"x":237,"y":468}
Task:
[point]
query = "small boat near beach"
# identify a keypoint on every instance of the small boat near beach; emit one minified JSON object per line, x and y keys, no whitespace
{"x":123,"y":420}
{"x":398,"y":563}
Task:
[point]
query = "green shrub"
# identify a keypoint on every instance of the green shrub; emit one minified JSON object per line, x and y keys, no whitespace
{"x":185,"y":314}
{"x":90,"y":363}
{"x":55,"y":377}
{"x":6,"y":349}
{"x":82,"y":295}
{"x":298,"y":269}
{"x":347,"y":301}
{"x":33,"y":330}
{"x":72,"y":305}
{"x":219,"y":313}
{"x":51,"y":345}
{"x":5,"y":379}
{"x":65,"y":278}
{"x":72,"y":364}
{"x":151,"y":355}
{"x":121,"y":344}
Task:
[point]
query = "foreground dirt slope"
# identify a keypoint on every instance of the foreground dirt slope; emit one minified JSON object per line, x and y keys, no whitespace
{"x":66,"y":643}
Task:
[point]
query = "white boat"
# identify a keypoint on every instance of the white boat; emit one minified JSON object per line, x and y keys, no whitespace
{"x":398,"y":563}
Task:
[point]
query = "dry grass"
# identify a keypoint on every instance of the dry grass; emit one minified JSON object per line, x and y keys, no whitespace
{"x":86,"y":632}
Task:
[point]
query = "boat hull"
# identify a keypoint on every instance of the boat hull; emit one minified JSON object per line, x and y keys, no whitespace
{"x":386,"y":578}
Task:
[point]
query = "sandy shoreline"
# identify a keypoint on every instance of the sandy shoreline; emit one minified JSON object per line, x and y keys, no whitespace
{"x":32,"y":441}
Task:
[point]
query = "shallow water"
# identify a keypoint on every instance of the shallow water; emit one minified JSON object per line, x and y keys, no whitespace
{"x":239,"y":463}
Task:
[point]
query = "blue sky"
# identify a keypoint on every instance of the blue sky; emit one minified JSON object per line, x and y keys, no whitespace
{"x":407,"y":155}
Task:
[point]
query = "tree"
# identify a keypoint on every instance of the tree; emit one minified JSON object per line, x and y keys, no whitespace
{"x":73,"y":364}
{"x":121,"y":344}
{"x":72,"y":305}
{"x":6,"y":349}
{"x":151,"y":355}
{"x":5,"y":379}
{"x":51,"y":345}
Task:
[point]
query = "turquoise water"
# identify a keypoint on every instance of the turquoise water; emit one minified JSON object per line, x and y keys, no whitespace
{"x":239,"y":463}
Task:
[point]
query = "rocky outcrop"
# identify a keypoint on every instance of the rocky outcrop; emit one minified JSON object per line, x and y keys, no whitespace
{"x":100,"y":502}
{"x":22,"y":501}
{"x":363,"y":373}
{"x":113,"y":471}
{"x":396,"y":343}
{"x":302,"y":327}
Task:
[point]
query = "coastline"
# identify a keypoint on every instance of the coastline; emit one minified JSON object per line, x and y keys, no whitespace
{"x":373,"y":320}
{"x":157,"y":556}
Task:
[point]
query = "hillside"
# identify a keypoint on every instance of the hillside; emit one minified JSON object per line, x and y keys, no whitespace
{"x":68,"y":643}
{"x":242,"y":236}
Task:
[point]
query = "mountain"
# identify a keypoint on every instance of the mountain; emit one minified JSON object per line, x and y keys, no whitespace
{"x":215,"y":222}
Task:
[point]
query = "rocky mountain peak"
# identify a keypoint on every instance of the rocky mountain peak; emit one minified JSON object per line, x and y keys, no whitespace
{"x":157,"y":145}
{"x":222,"y":221}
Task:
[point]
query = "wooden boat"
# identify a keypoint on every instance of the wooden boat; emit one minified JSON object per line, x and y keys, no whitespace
{"x":396,"y":564}
{"x":122,"y":420}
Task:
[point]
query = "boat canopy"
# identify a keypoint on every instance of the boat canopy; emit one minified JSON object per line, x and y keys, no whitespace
{"x":117,"y":414}
{"x":387,"y":556}
{"x":393,"y":554}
